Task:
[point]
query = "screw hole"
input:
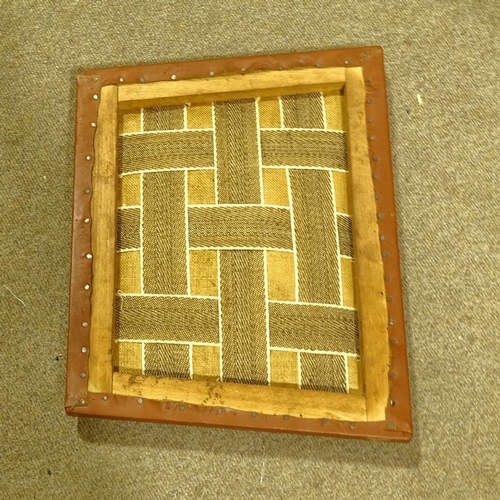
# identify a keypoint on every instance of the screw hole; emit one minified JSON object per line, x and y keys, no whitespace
{"x":140,"y":401}
{"x":212,"y":73}
{"x":182,"y":408}
{"x":105,"y":398}
{"x":325,"y":420}
{"x":375,"y":158}
{"x":254,"y":414}
{"x":219,"y":411}
{"x":393,"y":341}
{"x":173,"y":77}
{"x":352,"y":425}
{"x":393,"y":403}
{"x":95,"y":96}
{"x":83,"y":374}
{"x":89,"y":256}
{"x":141,"y":79}
{"x":392,"y":374}
{"x":86,"y":287}
{"x":85,"y":324}
{"x":318,"y":65}
{"x":84,"y":350}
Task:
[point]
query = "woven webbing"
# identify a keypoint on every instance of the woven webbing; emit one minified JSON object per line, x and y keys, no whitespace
{"x":235,"y":244}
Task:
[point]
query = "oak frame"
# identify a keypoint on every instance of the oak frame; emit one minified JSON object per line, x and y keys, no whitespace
{"x":370,"y":409}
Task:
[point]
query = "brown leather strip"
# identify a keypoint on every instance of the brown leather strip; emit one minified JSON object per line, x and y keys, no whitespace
{"x":128,"y":408}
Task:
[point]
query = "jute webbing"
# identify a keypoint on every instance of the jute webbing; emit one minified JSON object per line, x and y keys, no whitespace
{"x":247,"y":226}
{"x":302,"y":111}
{"x":315,"y":236}
{"x":236,"y":137}
{"x":166,"y":118}
{"x":165,"y":150}
{"x":243,"y":315}
{"x":323,"y":373}
{"x":235,"y":244}
{"x":164,"y":233}
{"x":304,"y":148}
{"x":166,"y":360}
{"x":156,"y":317}
{"x":129,"y":230}
{"x":345,"y":235}
{"x":313,"y":327}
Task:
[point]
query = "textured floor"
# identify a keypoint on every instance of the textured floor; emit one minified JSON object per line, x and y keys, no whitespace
{"x":446,"y":159}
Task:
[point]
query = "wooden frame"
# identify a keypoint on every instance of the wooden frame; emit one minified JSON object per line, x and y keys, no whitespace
{"x":92,"y":387}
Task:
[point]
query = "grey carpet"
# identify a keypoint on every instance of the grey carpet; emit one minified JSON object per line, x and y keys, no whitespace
{"x":446,"y":162}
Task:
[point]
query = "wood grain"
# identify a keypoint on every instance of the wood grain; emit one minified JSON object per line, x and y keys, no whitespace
{"x":231,"y":87}
{"x":103,"y":242}
{"x":368,"y":271}
{"x":265,"y":400}
{"x":368,"y":265}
